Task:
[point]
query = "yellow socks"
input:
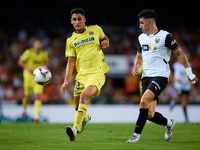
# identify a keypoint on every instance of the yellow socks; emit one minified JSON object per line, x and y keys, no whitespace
{"x":24,"y":104}
{"x":37,"y":107}
{"x":81,"y":114}
{"x":85,"y":118}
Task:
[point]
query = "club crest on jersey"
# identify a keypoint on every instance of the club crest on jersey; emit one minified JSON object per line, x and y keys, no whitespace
{"x":157,"y":40}
{"x":91,"y":33}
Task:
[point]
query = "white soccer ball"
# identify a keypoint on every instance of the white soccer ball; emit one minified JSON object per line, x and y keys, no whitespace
{"x":42,"y":75}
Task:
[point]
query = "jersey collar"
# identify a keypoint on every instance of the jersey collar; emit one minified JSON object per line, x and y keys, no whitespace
{"x":154,"y":33}
{"x":80,"y":32}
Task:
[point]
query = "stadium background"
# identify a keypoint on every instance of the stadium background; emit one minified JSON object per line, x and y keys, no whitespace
{"x":24,"y":21}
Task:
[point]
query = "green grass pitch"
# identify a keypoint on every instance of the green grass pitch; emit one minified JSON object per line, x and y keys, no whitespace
{"x":21,"y":136}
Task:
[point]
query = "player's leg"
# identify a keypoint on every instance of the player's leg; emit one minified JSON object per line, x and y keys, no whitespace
{"x":85,"y":96}
{"x":37,"y":107}
{"x":184,"y":105}
{"x":93,"y":84}
{"x":81,"y":113}
{"x":38,"y":90}
{"x":25,"y":103}
{"x":76,"y":100}
{"x":151,"y":88}
{"x":156,"y":117}
{"x":86,"y":119}
{"x":26,"y":99}
{"x":146,"y":99}
{"x":86,"y":87}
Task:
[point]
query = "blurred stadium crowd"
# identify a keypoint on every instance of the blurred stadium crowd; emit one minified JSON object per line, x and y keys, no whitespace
{"x":123,"y":41}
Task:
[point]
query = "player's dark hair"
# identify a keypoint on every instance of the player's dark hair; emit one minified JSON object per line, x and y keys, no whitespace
{"x":147,"y":13}
{"x":77,"y":11}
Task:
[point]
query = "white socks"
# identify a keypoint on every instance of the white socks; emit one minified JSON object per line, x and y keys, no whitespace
{"x":169,"y":123}
{"x":137,"y":135}
{"x":75,"y":129}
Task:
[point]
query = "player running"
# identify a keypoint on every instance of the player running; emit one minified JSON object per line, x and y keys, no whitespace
{"x":182,"y":86}
{"x":29,"y":61}
{"x":84,"y":50}
{"x":154,"y":50}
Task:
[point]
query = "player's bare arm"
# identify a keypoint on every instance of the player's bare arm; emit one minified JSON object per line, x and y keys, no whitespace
{"x":104,"y":42}
{"x":137,"y":64}
{"x":69,"y":70}
{"x":183,"y":60}
{"x":182,"y":57}
{"x":24,"y":66}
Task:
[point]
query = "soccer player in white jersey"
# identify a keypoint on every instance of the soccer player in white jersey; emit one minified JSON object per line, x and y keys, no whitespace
{"x":182,"y":86}
{"x":154,"y":50}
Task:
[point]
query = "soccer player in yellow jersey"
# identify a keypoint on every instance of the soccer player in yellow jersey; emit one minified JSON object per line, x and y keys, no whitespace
{"x":84,"y":50}
{"x":29,"y":61}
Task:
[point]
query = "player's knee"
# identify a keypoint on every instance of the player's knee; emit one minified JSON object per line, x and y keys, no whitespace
{"x":38,"y":96}
{"x":143,"y":103}
{"x":145,"y":100}
{"x":84,"y":98}
{"x":27,"y":98}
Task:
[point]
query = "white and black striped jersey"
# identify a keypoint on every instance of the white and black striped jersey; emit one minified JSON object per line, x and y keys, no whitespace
{"x":180,"y":76}
{"x":156,"y":51}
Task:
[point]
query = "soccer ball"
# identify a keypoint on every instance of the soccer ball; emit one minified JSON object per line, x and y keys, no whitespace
{"x":42,"y":75}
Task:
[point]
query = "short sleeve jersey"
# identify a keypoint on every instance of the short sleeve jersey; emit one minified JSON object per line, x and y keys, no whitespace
{"x":33,"y":60}
{"x":156,"y":51}
{"x":86,"y":48}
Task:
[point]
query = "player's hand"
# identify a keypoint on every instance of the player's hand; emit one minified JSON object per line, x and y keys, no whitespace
{"x":135,"y":70}
{"x":191,"y":77}
{"x":63,"y":87}
{"x":30,"y":69}
{"x":104,"y":44}
{"x":193,"y":81}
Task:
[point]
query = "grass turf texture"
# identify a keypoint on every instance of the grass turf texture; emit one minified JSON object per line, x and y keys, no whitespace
{"x":97,"y":137}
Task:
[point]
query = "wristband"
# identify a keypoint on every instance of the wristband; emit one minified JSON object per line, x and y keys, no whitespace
{"x":189,"y":73}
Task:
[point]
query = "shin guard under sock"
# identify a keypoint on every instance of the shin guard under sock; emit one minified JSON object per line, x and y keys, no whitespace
{"x":80,"y":115}
{"x":142,"y":118}
{"x":159,"y":119}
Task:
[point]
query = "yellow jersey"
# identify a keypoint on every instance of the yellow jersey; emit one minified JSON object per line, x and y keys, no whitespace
{"x":33,"y":60}
{"x":86,"y":48}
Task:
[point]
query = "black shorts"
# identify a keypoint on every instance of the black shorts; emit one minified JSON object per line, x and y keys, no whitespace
{"x":183,"y":92}
{"x":155,"y":84}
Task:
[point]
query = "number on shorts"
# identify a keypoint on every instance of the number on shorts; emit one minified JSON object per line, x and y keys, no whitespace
{"x":78,"y":85}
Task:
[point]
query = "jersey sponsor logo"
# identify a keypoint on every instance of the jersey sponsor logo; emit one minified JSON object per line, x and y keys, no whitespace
{"x":145,"y":47}
{"x":152,"y":47}
{"x":173,"y":42}
{"x":149,"y":47}
{"x":87,"y":41}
